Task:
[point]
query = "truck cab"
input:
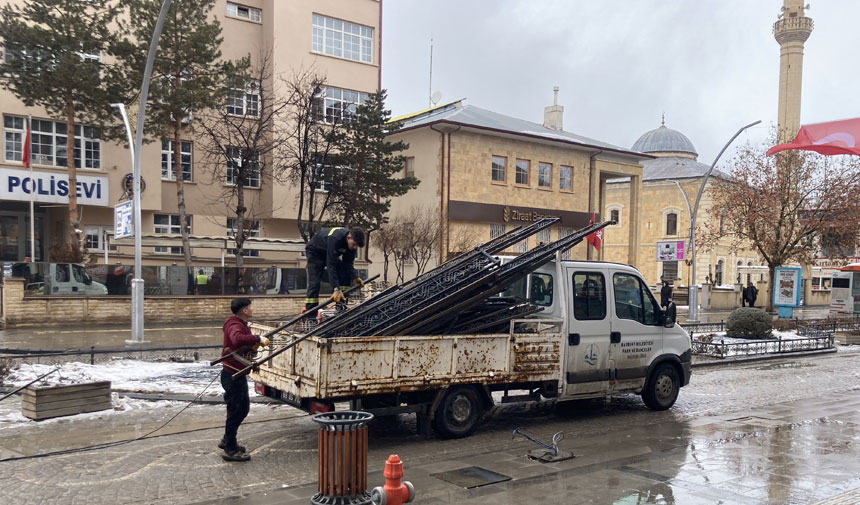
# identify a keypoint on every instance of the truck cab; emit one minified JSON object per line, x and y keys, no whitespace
{"x":59,"y":279}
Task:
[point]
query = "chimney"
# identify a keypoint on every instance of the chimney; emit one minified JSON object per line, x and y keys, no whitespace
{"x":552,"y":115}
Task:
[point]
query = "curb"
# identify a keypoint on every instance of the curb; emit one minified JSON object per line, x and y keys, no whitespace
{"x":764,"y":357}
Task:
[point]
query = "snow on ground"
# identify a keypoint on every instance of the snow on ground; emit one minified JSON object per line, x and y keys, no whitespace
{"x":128,"y":375}
{"x":10,"y":415}
{"x":721,"y":338}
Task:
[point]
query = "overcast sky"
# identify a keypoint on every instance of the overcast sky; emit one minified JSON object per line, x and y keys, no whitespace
{"x":711,"y":65}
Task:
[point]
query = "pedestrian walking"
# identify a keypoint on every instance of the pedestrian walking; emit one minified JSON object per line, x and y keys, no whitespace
{"x":671,"y":310}
{"x":331,"y":253}
{"x":201,"y":283}
{"x":237,"y":335}
{"x":665,"y":293}
{"x":750,"y":294}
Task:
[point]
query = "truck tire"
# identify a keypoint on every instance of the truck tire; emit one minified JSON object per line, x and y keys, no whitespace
{"x":662,"y":387}
{"x":458,"y":413}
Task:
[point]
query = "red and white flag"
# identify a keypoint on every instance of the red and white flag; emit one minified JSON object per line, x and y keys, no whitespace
{"x":594,"y":238}
{"x":834,"y":137}
{"x":25,"y":156}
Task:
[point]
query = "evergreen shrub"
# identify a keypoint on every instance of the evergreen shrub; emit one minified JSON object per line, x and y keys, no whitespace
{"x":749,"y":322}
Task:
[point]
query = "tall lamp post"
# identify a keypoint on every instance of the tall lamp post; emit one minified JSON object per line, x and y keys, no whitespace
{"x":137,"y":282}
{"x":693,"y":314}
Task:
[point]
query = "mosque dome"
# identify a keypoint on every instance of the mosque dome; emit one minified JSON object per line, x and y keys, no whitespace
{"x":664,"y":140}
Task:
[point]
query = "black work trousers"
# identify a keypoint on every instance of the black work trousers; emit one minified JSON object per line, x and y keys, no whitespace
{"x":317,"y":273}
{"x":238,"y":405}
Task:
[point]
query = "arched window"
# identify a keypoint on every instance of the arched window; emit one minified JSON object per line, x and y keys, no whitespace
{"x":718,"y":275}
{"x":671,"y":224}
{"x":615,"y":215}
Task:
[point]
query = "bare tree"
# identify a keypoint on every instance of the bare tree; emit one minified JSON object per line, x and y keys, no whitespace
{"x":387,"y":240}
{"x":308,"y":160}
{"x":242,"y":141}
{"x":422,"y":235}
{"x":783,"y":205}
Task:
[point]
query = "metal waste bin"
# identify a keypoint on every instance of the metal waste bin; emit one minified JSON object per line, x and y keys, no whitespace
{"x":342,"y":447}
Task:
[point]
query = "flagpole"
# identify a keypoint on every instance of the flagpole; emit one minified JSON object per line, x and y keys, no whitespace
{"x":32,"y":192}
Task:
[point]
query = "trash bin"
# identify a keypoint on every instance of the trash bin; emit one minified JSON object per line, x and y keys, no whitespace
{"x":342,"y":467}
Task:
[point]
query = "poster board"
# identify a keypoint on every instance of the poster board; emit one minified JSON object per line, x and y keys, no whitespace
{"x":672,"y":250}
{"x":786,"y":287}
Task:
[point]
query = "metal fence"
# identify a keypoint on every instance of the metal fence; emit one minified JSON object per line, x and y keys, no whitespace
{"x":758,"y":347}
{"x":187,"y":353}
{"x":694,"y":328}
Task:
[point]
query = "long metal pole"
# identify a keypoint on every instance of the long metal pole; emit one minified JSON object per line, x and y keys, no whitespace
{"x":32,"y":194}
{"x":693,"y":314}
{"x":137,"y":282}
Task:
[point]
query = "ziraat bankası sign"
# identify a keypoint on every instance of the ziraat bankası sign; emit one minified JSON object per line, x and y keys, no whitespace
{"x":51,"y":187}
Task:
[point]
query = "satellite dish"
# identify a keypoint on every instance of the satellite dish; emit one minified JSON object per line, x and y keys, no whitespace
{"x":435,"y":97}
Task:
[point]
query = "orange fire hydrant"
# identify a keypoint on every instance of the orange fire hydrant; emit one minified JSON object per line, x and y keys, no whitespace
{"x":394,"y":492}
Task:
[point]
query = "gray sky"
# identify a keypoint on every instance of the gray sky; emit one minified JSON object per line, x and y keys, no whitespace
{"x":711,"y":65}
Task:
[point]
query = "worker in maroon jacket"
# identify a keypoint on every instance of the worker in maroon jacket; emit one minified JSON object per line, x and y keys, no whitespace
{"x":236,"y":336}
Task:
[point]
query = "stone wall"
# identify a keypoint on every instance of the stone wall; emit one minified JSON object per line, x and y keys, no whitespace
{"x":30,"y":310}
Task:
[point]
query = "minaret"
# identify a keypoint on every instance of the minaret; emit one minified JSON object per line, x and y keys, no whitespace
{"x":791,"y":30}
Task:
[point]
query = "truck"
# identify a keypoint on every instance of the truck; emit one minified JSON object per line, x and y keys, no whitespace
{"x":600,"y":333}
{"x":58,"y":279}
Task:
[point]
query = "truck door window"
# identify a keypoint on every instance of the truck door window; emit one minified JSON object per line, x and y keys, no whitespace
{"x":78,"y":272}
{"x":62,"y":274}
{"x":541,"y":289}
{"x":633,"y":300}
{"x":589,"y":296}
{"x":516,"y":290}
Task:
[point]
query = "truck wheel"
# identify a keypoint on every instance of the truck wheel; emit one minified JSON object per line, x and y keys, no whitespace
{"x":662,"y":387}
{"x":459,"y":413}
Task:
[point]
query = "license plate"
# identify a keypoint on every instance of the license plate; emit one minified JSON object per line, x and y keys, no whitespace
{"x":292,"y":399}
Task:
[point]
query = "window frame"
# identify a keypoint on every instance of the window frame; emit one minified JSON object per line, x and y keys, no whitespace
{"x":328,"y":32}
{"x":338,"y":109}
{"x":549,"y":286}
{"x":253,"y":231}
{"x":541,"y":166}
{"x":517,"y":172}
{"x":248,"y":93}
{"x":409,"y":167}
{"x":671,"y":227}
{"x":643,"y":292}
{"x":497,"y":230}
{"x":170,"y":226}
{"x":237,"y":8}
{"x":250,"y":182}
{"x":88,"y":152}
{"x":569,"y":188}
{"x":100,"y":235}
{"x":504,"y":171}
{"x":169,"y":169}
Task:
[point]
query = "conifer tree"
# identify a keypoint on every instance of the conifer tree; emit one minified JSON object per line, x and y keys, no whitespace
{"x":57,"y":55}
{"x":188,"y":75}
{"x":371,"y":168}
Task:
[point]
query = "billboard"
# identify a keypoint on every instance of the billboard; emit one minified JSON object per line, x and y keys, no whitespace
{"x":672,"y":250}
{"x":786,"y":287}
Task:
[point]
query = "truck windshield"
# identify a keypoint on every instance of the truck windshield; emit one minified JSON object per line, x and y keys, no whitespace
{"x":80,"y":274}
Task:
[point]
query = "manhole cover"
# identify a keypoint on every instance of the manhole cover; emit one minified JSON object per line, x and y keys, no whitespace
{"x":471,"y":476}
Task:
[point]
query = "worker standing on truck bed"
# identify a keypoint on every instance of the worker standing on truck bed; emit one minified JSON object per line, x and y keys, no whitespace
{"x":236,"y":336}
{"x":332,"y":250}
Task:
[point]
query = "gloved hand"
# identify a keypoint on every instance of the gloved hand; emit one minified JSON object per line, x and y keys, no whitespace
{"x":264,"y":342}
{"x":337,"y":296}
{"x":358,"y":282}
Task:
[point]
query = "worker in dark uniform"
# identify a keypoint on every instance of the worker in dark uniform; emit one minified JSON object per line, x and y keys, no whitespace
{"x":332,"y":251}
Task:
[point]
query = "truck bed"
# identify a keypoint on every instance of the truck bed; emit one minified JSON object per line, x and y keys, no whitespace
{"x":344,"y":367}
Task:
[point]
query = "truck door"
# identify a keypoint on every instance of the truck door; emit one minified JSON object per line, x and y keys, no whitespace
{"x":637,"y":335}
{"x":61,"y":281}
{"x":587,"y":360}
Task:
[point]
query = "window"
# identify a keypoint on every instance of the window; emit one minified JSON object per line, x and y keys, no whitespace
{"x":841,"y":282}
{"x":615,"y":216}
{"x":522,"y":246}
{"x":522,"y":176}
{"x":338,"y":104}
{"x":167,"y":171}
{"x":671,"y":223}
{"x":244,"y":99}
{"x":94,"y":238}
{"x":252,"y":229}
{"x":541,"y":292}
{"x":498,"y":171}
{"x":62,"y":273}
{"x":169,"y":223}
{"x":564,"y":232}
{"x":496,"y":230}
{"x":589,"y":296}
{"x":48,"y":143}
{"x":240,"y":11}
{"x":718,"y":277}
{"x":342,"y":39}
{"x":544,"y":175}
{"x":722,"y":225}
{"x":409,"y":167}
{"x":740,"y":264}
{"x":565,"y":178}
{"x":543,"y":236}
{"x":250,"y":176}
{"x":670,"y":270}
{"x":633,"y":300}
{"x":322,"y":175}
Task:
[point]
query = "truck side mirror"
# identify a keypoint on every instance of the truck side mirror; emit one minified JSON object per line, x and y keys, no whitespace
{"x":668,"y":321}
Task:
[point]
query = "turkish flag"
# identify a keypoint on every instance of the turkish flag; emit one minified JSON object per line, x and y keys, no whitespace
{"x":835,"y":137}
{"x":594,"y":238}
{"x":25,"y":156}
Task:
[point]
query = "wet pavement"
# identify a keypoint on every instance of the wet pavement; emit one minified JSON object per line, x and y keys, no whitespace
{"x":772,"y":432}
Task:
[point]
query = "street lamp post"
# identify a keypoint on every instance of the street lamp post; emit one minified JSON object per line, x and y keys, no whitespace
{"x":693,"y":314}
{"x":137,"y":282}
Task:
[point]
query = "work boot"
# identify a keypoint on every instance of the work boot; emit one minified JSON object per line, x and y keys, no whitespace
{"x":235,"y":455}
{"x":223,"y":445}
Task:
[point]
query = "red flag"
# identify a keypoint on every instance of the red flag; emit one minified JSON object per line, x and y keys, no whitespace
{"x":25,"y":156}
{"x":594,"y":238}
{"x":835,"y":137}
